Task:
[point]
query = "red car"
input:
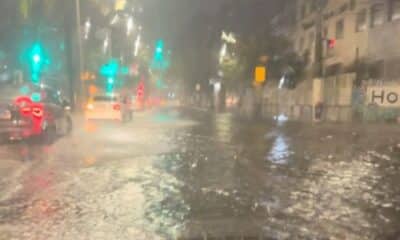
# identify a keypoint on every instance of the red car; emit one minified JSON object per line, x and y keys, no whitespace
{"x":28,"y":111}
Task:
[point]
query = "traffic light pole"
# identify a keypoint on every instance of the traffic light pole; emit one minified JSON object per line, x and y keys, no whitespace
{"x":319,"y":44}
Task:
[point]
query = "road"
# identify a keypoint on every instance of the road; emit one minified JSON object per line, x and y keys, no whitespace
{"x":181,"y":174}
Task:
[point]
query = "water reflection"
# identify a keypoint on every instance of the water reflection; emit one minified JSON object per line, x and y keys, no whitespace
{"x":223,"y":127}
{"x":213,"y":179}
{"x":280,"y":151}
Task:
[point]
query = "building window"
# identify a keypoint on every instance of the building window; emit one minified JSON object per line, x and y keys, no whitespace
{"x":377,"y":14}
{"x":352,"y":4}
{"x":306,"y":9}
{"x":340,"y":29}
{"x":311,"y":39}
{"x":326,"y":32}
{"x":376,"y":70}
{"x":394,"y":10}
{"x":301,"y":44}
{"x":314,"y":6}
{"x":361,"y":21}
{"x":303,"y":11}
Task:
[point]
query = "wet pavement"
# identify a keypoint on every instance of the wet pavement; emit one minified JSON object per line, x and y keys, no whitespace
{"x":194,"y":175}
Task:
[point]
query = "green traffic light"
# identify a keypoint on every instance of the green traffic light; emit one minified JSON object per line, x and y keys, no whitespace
{"x":160,"y":60}
{"x":36,"y":53}
{"x":36,"y":58}
{"x":36,"y":62}
{"x":110,"y":80}
{"x":159,"y":54}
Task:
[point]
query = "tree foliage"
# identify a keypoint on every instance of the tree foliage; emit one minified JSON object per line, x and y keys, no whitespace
{"x":250,"y":48}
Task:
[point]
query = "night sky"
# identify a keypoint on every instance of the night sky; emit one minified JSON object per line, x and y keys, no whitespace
{"x":170,"y":19}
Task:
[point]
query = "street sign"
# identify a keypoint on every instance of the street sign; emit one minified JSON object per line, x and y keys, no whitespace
{"x":383,"y":96}
{"x":260,"y":74}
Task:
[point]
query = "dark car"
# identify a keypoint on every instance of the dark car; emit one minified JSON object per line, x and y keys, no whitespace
{"x":28,"y":111}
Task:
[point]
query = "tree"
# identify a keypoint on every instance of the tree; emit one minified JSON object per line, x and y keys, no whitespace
{"x":250,"y":48}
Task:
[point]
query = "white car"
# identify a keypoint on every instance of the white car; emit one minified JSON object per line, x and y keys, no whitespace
{"x":105,"y":107}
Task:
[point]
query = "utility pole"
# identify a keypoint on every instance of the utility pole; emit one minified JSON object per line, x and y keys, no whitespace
{"x":80,"y":93}
{"x":319,"y":44}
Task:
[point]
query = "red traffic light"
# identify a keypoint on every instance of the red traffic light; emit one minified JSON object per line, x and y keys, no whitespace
{"x":140,"y":90}
{"x":331,"y":43}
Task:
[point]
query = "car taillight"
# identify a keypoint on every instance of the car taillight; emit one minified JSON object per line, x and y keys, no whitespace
{"x":117,"y":107}
{"x":37,"y":112}
{"x":26,"y":110}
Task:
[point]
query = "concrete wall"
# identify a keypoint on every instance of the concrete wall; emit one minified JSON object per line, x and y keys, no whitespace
{"x":299,"y":104}
{"x":296,"y":104}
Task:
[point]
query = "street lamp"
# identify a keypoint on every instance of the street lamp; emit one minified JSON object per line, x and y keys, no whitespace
{"x":106,"y":44}
{"x":87,"y":28}
{"x":222,"y":53}
{"x":129,"y":25}
{"x":137,"y":45}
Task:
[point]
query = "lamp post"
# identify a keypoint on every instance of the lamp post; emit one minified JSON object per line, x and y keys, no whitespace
{"x":319,"y":44}
{"x":80,"y":94}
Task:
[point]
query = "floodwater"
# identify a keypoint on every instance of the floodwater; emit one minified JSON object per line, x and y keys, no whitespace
{"x":195,"y":175}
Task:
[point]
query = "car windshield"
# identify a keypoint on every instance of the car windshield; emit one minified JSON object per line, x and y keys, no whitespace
{"x":199,"y":119}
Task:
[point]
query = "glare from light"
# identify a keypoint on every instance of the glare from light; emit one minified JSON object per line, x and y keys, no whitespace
{"x":222,"y":52}
{"x":110,"y":80}
{"x":114,"y":20}
{"x":129,"y":26}
{"x":217,"y":87}
{"x":105,"y":44}
{"x":36,"y":58}
{"x":281,"y":82}
{"x":90,"y":106}
{"x":137,"y":45}
{"x":88,"y":25}
{"x":282,"y":118}
{"x":230,"y":37}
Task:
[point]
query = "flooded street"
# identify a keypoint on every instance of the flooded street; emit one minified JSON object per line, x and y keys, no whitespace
{"x":184,"y":174}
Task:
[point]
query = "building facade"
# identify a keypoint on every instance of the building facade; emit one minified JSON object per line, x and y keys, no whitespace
{"x":360,"y":57}
{"x":358,"y":36}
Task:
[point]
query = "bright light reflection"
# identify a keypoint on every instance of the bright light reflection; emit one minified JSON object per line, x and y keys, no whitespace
{"x":88,"y":25}
{"x":222,"y":52}
{"x":129,"y":26}
{"x":105,"y":44}
{"x":137,"y":45}
{"x":280,"y":152}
